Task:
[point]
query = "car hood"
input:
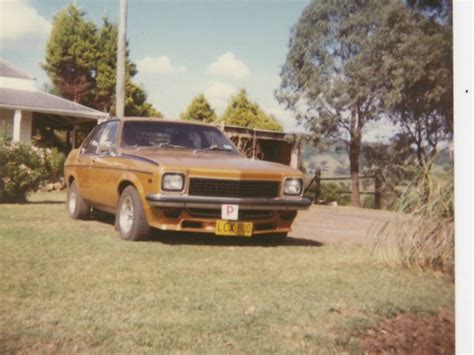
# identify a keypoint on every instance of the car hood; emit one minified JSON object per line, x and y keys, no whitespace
{"x":215,"y":162}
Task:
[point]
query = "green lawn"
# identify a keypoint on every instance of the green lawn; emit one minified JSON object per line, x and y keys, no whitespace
{"x":74,"y":286}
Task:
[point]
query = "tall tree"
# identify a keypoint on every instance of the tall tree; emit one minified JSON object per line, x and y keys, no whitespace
{"x":81,"y":63}
{"x":71,"y":55}
{"x":330,"y":77}
{"x":245,"y":113}
{"x":418,"y":74}
{"x":135,"y":96}
{"x":200,"y":110}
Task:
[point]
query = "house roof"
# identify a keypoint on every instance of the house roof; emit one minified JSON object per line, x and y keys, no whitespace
{"x":9,"y":71}
{"x":38,"y":101}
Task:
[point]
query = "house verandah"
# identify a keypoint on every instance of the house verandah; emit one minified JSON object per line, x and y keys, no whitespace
{"x":24,"y":110}
{"x":23,"y":125}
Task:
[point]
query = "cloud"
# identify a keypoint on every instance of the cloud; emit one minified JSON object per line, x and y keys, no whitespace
{"x":19,"y":20}
{"x":229,"y":65}
{"x":285,"y":117}
{"x":219,"y":94}
{"x":159,"y":65}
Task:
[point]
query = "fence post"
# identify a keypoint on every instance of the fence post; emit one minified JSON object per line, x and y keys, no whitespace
{"x":317,"y":178}
{"x":378,"y":199}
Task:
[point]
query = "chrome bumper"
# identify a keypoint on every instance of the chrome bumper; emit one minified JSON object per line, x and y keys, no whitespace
{"x":216,"y":202}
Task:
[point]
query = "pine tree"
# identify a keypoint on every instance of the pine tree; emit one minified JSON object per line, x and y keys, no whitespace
{"x":81,"y":63}
{"x":71,"y":55}
{"x":200,"y":110}
{"x":245,"y":113}
{"x":135,"y":95}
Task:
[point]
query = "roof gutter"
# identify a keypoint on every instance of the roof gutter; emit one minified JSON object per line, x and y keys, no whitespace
{"x":96,"y":116}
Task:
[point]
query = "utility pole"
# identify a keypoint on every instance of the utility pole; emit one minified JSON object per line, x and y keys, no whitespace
{"x":121,"y":56}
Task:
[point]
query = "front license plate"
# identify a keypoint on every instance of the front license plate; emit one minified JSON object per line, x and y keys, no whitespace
{"x":240,"y":229}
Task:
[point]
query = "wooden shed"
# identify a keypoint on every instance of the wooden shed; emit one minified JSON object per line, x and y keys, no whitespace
{"x":279,"y":147}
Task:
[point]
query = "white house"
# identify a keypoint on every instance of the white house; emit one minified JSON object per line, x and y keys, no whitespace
{"x":22,"y":106}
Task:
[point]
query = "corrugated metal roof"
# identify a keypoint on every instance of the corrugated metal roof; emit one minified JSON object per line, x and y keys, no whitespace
{"x":44,"y":102}
{"x":9,"y":71}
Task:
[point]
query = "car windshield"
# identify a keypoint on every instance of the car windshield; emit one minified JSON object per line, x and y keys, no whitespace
{"x":174,"y":135}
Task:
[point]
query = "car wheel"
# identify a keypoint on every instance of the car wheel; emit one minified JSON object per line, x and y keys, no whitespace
{"x":131,"y":219}
{"x":76,"y":206}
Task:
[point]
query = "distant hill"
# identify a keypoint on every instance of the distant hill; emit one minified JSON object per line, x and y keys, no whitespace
{"x":330,"y":156}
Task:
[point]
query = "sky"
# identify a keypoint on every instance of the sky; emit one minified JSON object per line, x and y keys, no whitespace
{"x":182,"y":47}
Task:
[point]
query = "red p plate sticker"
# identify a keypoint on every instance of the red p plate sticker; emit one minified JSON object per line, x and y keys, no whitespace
{"x":230,"y":212}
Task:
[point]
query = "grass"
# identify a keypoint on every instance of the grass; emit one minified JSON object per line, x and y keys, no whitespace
{"x":74,"y":286}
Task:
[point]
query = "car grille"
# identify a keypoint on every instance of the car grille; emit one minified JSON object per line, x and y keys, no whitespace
{"x":243,"y":214}
{"x":233,"y":188}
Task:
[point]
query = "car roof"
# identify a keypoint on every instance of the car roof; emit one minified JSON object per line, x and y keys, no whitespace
{"x":148,"y":119}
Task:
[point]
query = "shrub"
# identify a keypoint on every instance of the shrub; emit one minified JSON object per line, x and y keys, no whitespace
{"x":54,"y":164}
{"x":335,"y":192}
{"x":24,"y":167}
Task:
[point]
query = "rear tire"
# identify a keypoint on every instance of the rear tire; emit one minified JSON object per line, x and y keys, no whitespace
{"x":130,"y":219}
{"x":76,"y":206}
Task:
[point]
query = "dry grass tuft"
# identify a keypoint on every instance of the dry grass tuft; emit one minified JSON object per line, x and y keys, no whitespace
{"x":422,"y":235}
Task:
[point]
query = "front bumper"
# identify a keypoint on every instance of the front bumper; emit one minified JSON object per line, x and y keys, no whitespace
{"x":276,"y":204}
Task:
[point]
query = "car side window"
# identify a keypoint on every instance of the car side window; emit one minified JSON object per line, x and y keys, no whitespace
{"x":92,"y":145}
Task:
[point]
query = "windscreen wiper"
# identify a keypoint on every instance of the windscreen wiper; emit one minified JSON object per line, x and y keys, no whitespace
{"x":165,"y":145}
{"x":213,"y":147}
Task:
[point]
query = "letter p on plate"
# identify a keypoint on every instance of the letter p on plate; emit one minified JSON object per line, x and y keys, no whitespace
{"x":230,"y":212}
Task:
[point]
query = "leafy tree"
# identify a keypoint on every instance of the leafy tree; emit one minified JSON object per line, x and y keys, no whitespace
{"x":417,"y":71}
{"x":200,"y":110}
{"x":71,"y":55}
{"x":81,"y":63}
{"x":245,"y":113}
{"x":330,"y":77}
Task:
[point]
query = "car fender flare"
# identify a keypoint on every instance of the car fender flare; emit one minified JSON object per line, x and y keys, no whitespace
{"x":129,"y":178}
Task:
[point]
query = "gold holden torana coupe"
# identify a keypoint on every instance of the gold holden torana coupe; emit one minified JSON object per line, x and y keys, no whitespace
{"x":181,"y":176}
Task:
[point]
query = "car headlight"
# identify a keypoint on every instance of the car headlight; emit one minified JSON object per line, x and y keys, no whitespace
{"x":293,"y":186}
{"x":172,"y":182}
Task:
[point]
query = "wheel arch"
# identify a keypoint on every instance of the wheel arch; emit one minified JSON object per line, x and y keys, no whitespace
{"x":123,"y":185}
{"x":70,"y":179}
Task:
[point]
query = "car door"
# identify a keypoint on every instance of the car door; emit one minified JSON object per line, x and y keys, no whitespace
{"x":85,"y":160}
{"x":106,"y":169}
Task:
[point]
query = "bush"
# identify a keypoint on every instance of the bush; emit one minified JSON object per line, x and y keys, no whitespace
{"x":335,"y":192}
{"x":54,"y":164}
{"x":24,"y":167}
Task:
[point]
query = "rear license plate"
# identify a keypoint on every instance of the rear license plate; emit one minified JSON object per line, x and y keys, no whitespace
{"x":240,"y":229}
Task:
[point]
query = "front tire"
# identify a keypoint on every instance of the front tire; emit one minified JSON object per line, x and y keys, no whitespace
{"x":131,"y":220}
{"x":76,"y":206}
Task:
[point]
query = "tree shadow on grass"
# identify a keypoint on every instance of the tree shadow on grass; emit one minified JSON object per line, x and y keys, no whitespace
{"x":189,"y":238}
